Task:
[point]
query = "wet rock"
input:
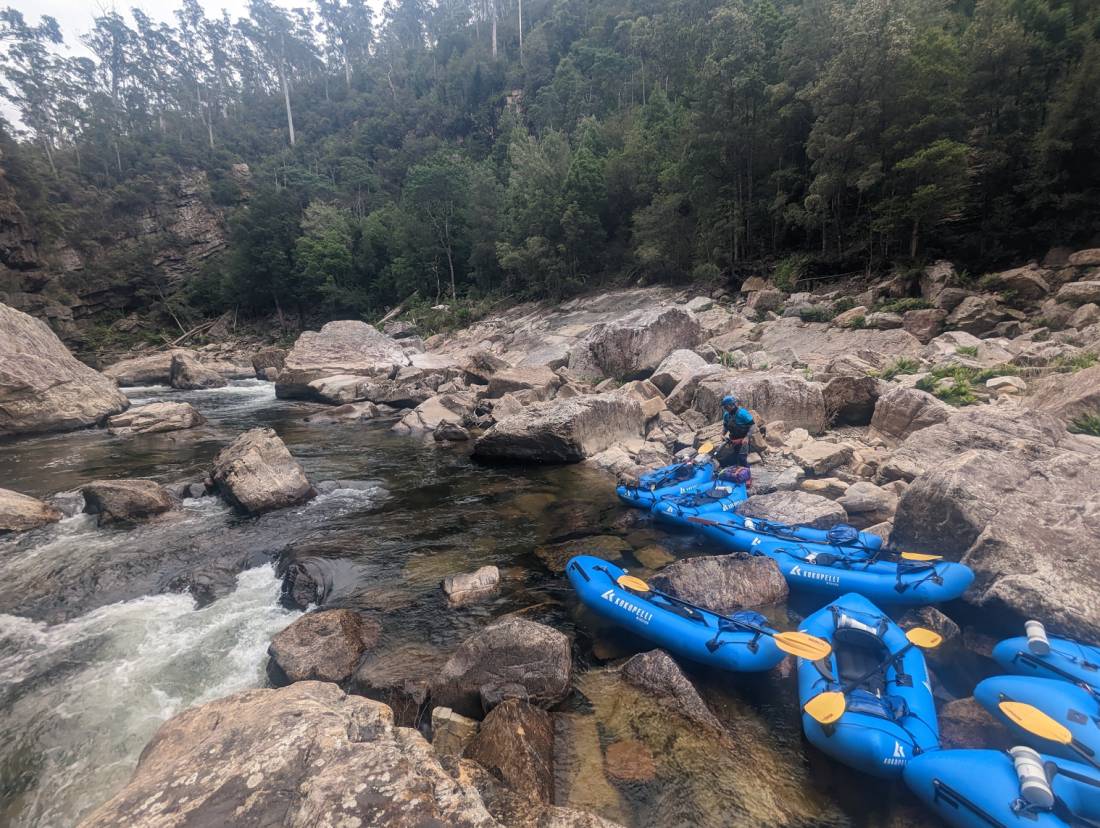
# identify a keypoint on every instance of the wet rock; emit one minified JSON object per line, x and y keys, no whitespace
{"x":925,"y":323}
{"x":630,"y":761}
{"x":556,"y":556}
{"x":125,"y":501}
{"x":155,"y":418}
{"x":787,"y":397}
{"x":632,"y":346}
{"x":901,"y":411}
{"x":266,"y":358}
{"x":723,"y":583}
{"x":399,"y":677}
{"x":152,"y":369}
{"x":469,"y":587}
{"x":562,"y":431}
{"x":450,"y":433}
{"x":256,"y":473}
{"x":540,"y":380}
{"x":432,"y":413}
{"x":653,"y":556}
{"x":795,"y":507}
{"x":321,"y":646}
{"x":966,"y":724}
{"x":516,"y":744}
{"x":350,"y":413}
{"x":187,"y":374}
{"x":304,"y":755}
{"x":1010,"y":495}
{"x":511,"y":658}
{"x":1079,"y":293}
{"x":452,"y":732}
{"x":343,"y":347}
{"x":658,"y":675}
{"x":931,"y":618}
{"x":868,"y":504}
{"x":851,"y":400}
{"x":19,"y":512}
{"x":819,"y":457}
{"x":43,"y":387}
{"x":675,"y":368}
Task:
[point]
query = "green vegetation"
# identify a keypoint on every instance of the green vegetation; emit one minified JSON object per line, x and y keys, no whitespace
{"x":1077,"y":362}
{"x":1086,"y":424}
{"x":856,"y":322}
{"x":463,"y":150}
{"x":816,"y":313}
{"x":967,"y":350}
{"x":962,"y":379}
{"x":901,"y":365}
{"x":902,"y":305}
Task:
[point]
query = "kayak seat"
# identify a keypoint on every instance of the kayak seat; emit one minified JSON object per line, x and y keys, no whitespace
{"x":884,"y":707}
{"x":857,"y":652}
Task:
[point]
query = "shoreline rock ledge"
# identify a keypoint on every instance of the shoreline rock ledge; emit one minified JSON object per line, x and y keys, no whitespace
{"x":43,"y":387}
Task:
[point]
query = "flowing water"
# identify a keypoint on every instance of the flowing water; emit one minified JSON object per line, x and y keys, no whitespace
{"x":106,"y":632}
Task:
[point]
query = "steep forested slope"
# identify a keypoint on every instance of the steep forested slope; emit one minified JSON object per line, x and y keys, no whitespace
{"x":472,"y":147}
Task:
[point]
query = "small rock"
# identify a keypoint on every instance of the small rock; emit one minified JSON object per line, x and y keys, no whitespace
{"x":321,"y":646}
{"x":268,"y":359}
{"x":469,"y":587}
{"x":819,"y":457}
{"x":19,"y":512}
{"x":451,"y":732}
{"x":699,"y":304}
{"x":539,"y":379}
{"x":654,"y":556}
{"x":925,"y":324}
{"x":868,"y":504}
{"x":1006,"y":385}
{"x":630,"y":761}
{"x":884,"y":321}
{"x":447,"y":432}
{"x":830,"y":487}
{"x":155,"y":418}
{"x":1084,"y":316}
{"x":349,"y":413}
{"x":516,"y":743}
{"x":1085,"y":258}
{"x":556,"y":556}
{"x":125,"y":501}
{"x":846,"y":319}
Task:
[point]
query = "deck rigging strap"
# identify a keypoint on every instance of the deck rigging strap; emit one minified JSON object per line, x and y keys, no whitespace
{"x":948,"y":795}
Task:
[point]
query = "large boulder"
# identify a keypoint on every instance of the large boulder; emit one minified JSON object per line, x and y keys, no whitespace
{"x":434,"y":412}
{"x":1067,"y":396}
{"x":633,"y":346}
{"x":304,"y":755}
{"x":676,"y":367}
{"x":1085,"y":258}
{"x":256,"y":473}
{"x":723,"y":583}
{"x":924,"y":323}
{"x":1015,"y":498}
{"x":794,"y":507}
{"x":125,"y":501}
{"x":268,"y":358}
{"x":850,"y":400}
{"x":321,"y":646}
{"x":901,"y":411}
{"x":1029,"y":282}
{"x":343,"y":347}
{"x":186,"y":373}
{"x":510,"y":659}
{"x":1079,"y":293}
{"x":562,"y":431}
{"x":42,"y":386}
{"x":151,"y":369}
{"x":155,"y":418}
{"x":540,"y":380}
{"x":516,"y":744}
{"x":976,"y":315}
{"x":867,"y":504}
{"x":818,"y":457}
{"x":19,"y":512}
{"x":936,"y":278}
{"x":787,"y":397}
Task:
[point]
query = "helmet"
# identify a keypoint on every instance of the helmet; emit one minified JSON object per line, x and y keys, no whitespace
{"x":729,"y":401}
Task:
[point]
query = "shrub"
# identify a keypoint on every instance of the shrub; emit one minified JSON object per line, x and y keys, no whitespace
{"x":1086,"y":424}
{"x":705,"y":272}
{"x":788,"y":271}
{"x":1077,"y":362}
{"x":901,"y":365}
{"x":856,"y":322}
{"x":844,"y":303}
{"x":967,"y":350}
{"x":816,"y":313}
{"x":902,"y":305}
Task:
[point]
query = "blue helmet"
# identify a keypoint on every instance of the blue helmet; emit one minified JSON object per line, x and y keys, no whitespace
{"x":729,"y":400}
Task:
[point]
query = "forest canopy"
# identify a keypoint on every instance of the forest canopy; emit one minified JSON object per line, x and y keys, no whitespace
{"x":530,"y":148}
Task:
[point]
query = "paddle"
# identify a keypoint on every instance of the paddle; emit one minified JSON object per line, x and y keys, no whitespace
{"x":1058,"y":671}
{"x":798,"y":644}
{"x":826,"y":708}
{"x":705,"y":449}
{"x":908,"y":556}
{"x":1037,"y":723}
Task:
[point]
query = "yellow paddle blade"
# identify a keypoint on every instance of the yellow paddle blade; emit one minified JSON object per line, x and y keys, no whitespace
{"x":826,"y":708}
{"x":803,"y":645}
{"x":632,"y":583}
{"x":1036,"y":722}
{"x":924,"y":638}
{"x":920,"y":556}
{"x":705,"y":449}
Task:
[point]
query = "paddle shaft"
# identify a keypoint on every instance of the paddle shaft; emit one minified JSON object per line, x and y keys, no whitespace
{"x":875,"y":553}
{"x":852,"y":685}
{"x":1058,"y":671}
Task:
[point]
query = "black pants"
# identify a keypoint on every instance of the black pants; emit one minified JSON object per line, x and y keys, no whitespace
{"x":733,"y":454}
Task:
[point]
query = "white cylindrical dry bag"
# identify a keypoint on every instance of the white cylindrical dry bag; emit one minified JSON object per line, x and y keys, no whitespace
{"x":1034,"y":787}
{"x":1037,"y":640}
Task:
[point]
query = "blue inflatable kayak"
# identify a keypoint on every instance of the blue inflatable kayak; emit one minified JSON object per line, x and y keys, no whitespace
{"x":1071,"y":706}
{"x":696,"y":635}
{"x":676,"y":479}
{"x":891,"y":716}
{"x":981,"y":789}
{"x":1066,"y":659}
{"x":677,"y":509}
{"x":831,"y":569}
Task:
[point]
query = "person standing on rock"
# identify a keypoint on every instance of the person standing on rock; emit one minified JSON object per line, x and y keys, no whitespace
{"x":737,"y":426}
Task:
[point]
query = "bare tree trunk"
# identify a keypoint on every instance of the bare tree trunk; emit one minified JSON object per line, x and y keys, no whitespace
{"x":521,"y":32}
{"x":913,"y":239}
{"x":347,"y":67}
{"x":493,"y":12}
{"x":49,"y":155}
{"x":286,"y":99}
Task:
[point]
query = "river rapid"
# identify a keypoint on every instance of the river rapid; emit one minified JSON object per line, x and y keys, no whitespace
{"x":105,"y":633}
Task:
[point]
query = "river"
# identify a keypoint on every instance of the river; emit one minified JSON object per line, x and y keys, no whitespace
{"x":106,"y":632}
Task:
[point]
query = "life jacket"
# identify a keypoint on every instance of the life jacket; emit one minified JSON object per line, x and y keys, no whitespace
{"x":738,"y":423}
{"x":738,"y":475}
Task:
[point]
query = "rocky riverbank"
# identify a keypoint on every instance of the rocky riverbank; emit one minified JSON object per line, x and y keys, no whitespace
{"x":947,"y":415}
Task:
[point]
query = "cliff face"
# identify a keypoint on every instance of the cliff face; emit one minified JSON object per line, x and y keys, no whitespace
{"x":152,"y":256}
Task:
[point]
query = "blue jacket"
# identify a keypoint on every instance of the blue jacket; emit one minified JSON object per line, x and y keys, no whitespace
{"x":738,"y":424}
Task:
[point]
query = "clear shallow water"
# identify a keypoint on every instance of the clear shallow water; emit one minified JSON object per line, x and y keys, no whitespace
{"x":104,"y":633}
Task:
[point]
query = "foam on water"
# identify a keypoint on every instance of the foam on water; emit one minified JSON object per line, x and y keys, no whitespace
{"x":79,"y":700}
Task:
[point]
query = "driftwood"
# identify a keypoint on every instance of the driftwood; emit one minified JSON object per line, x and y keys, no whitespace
{"x":398,"y":310}
{"x":190,"y":333}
